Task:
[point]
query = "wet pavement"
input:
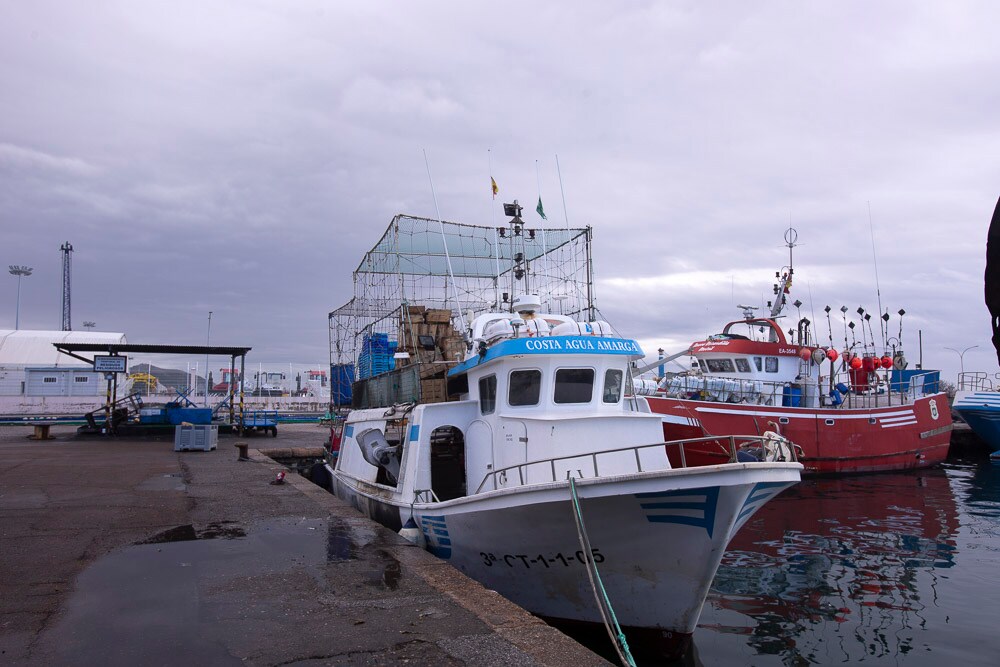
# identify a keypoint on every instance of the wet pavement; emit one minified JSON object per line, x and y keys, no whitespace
{"x":120,"y":552}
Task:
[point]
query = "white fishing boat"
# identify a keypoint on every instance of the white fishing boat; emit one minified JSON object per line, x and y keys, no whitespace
{"x":538,"y":473}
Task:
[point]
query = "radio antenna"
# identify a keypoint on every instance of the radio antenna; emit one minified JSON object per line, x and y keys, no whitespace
{"x":878,"y":290}
{"x":444,"y":241}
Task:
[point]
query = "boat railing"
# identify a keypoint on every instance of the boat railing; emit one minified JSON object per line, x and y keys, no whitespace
{"x":842,"y":391}
{"x":975,"y":381}
{"x":755,"y":448}
{"x":425,"y":496}
{"x":726,"y":390}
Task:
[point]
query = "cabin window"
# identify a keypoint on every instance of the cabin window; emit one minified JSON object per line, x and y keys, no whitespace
{"x":47,"y":379}
{"x":720,"y":366}
{"x":574,"y":385}
{"x":742,"y":365}
{"x":488,"y":394}
{"x":525,"y":388}
{"x":771,"y":364}
{"x":759,"y":363}
{"x":612,"y":386}
{"x":81,"y":379}
{"x":701,"y":364}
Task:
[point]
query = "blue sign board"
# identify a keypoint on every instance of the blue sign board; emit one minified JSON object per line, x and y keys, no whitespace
{"x":554,"y":345}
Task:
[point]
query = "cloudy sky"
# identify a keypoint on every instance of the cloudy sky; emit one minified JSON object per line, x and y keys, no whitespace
{"x":240,"y":157}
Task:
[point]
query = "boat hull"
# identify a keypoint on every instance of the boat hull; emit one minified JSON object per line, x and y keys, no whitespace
{"x":657,"y":539}
{"x":832,"y":441}
{"x":981,"y":411}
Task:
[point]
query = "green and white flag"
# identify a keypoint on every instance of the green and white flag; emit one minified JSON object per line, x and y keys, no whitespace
{"x":540,"y":210}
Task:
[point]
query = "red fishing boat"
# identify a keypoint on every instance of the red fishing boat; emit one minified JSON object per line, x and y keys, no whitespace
{"x":853,"y":411}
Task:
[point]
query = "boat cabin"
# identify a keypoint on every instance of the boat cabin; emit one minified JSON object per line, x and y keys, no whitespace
{"x":540,"y":396}
{"x":761,"y":366}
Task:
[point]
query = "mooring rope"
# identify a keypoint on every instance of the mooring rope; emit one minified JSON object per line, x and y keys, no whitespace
{"x":601,"y":595}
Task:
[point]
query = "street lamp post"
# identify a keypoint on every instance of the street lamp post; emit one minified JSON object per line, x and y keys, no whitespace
{"x":961,"y":359}
{"x":19,"y":271}
{"x":208,"y":342}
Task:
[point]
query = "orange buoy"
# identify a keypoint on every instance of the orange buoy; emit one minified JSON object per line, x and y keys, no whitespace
{"x":855,"y":362}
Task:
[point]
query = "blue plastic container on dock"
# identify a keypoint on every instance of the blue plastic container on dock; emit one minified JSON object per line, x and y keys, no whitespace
{"x":152,"y":416}
{"x":190,"y":415}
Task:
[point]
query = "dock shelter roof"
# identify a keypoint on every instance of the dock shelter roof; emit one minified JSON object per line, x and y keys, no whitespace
{"x":112,"y":348}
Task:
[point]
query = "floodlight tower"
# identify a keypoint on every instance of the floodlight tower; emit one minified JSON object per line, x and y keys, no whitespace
{"x":20,"y":272}
{"x":66,"y":263}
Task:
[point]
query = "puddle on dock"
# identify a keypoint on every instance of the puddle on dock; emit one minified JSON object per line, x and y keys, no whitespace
{"x":160,"y":597}
{"x":226,"y":530}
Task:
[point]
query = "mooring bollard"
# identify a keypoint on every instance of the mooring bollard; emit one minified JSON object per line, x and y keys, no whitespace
{"x":242,"y":447}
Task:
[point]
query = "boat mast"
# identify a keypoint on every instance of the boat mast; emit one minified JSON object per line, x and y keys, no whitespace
{"x":518,"y":250}
{"x":447,"y":255}
{"x":782,"y":287}
{"x":590,"y":279}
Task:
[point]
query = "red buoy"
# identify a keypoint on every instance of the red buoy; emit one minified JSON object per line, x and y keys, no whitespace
{"x":855,"y":362}
{"x":805,"y":354}
{"x":868,"y":363}
{"x":887,"y":362}
{"x":831,"y":354}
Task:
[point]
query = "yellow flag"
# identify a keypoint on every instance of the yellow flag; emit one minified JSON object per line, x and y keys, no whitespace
{"x":495,"y":188}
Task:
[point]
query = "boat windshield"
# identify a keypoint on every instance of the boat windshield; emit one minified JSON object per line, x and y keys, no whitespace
{"x":574,"y":385}
{"x":525,"y":387}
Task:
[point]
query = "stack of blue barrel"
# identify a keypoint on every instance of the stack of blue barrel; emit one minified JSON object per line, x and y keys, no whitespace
{"x":376,"y":355}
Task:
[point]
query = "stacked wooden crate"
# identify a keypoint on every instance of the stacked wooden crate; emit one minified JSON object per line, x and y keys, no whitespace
{"x":428,"y":337}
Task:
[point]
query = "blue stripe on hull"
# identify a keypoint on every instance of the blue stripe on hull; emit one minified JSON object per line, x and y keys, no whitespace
{"x":699,"y":506}
{"x":761,"y":493}
{"x":435,"y":530}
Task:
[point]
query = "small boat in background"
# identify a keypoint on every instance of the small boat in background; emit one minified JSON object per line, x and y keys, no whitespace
{"x":867,"y":413}
{"x":977,"y":402}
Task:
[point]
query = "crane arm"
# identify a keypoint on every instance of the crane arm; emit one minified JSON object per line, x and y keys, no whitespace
{"x":639,"y":370}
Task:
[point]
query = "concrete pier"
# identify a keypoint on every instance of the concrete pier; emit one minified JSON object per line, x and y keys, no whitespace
{"x":124,"y":552}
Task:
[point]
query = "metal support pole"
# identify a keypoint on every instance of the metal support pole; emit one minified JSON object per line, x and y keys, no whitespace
{"x":107,"y":406}
{"x":243,"y":364}
{"x":17,"y":308}
{"x":232,"y":386}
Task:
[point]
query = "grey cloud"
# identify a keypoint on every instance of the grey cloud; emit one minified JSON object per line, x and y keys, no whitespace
{"x":241,"y":157}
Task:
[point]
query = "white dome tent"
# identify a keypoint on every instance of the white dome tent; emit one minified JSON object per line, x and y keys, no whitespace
{"x":24,"y":351}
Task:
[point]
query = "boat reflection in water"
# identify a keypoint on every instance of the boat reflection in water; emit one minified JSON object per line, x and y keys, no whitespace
{"x":836,"y":570}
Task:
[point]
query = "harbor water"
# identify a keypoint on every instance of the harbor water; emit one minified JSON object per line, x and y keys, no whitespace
{"x":882,"y":569}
